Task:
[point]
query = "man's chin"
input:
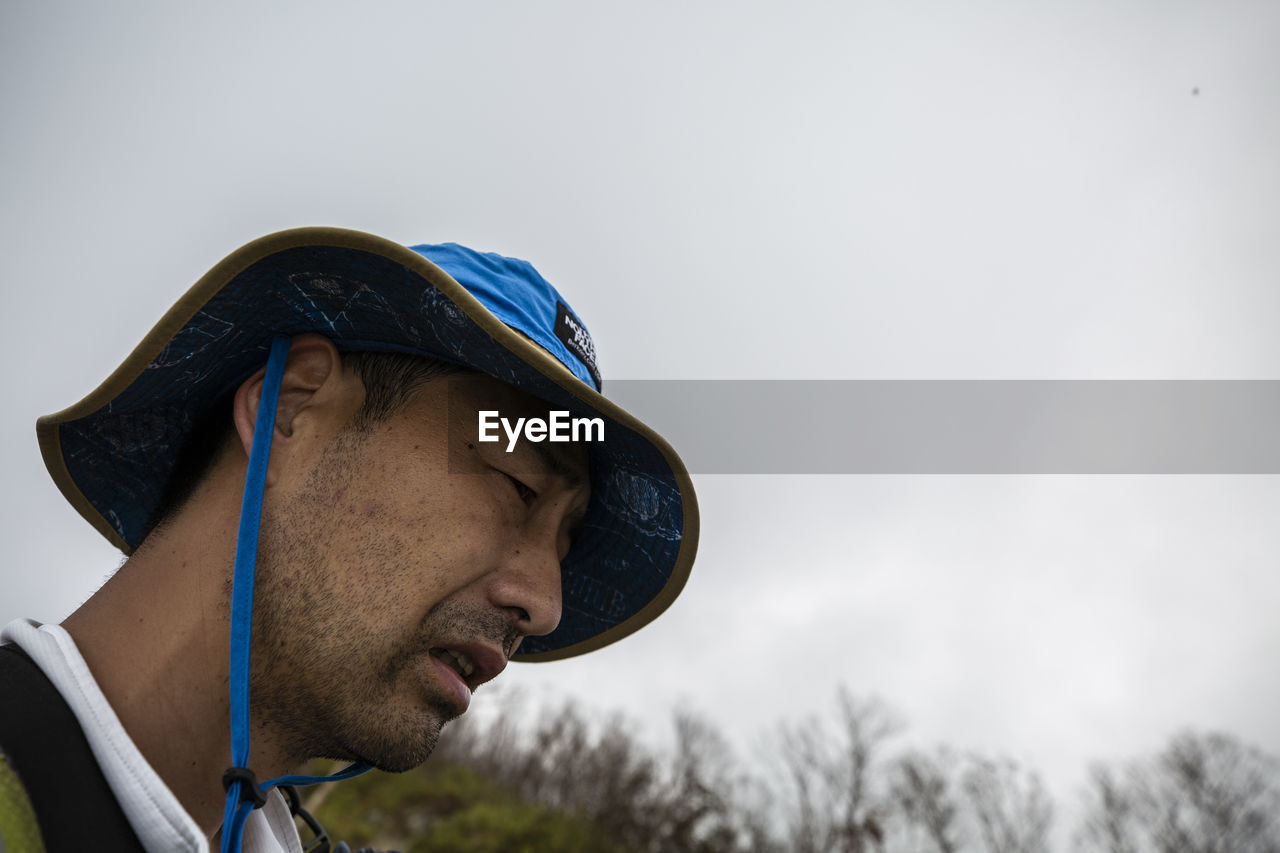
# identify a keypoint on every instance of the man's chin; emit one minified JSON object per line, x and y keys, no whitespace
{"x":400,"y":763}
{"x":399,"y":748}
{"x":397,"y":757}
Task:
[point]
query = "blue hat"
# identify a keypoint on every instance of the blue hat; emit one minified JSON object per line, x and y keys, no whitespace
{"x":112,"y":453}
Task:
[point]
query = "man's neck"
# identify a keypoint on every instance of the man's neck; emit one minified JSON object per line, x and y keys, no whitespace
{"x":155,"y":638}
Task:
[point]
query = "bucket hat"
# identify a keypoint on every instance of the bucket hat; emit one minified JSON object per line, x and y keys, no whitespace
{"x":112,"y":453}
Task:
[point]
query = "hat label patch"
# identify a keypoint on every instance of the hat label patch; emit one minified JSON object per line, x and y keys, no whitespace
{"x":576,"y":339}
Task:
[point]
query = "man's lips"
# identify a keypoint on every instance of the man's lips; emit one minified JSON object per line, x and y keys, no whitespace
{"x":465,"y":666}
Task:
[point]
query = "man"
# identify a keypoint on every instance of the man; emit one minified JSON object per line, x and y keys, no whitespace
{"x":294,"y":460}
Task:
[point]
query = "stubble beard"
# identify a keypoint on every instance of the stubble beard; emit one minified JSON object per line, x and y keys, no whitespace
{"x":323,"y":683}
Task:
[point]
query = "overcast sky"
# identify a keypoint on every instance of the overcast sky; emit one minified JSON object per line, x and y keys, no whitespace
{"x":744,"y":190}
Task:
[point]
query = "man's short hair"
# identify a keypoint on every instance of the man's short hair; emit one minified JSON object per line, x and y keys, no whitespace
{"x":390,"y":381}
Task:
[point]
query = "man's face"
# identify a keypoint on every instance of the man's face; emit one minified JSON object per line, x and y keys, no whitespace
{"x":402,"y":569}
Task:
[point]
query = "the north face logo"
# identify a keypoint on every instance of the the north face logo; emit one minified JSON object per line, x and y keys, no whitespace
{"x":576,"y":339}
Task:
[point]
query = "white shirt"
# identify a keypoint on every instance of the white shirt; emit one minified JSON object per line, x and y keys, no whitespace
{"x":160,"y":821}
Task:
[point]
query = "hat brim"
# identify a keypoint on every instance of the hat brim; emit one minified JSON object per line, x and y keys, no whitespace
{"x":111,"y":453}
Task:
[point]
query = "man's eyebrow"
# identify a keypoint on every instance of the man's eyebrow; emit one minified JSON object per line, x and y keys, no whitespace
{"x":560,"y":461}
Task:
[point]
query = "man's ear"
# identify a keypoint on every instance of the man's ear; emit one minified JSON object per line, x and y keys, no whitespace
{"x":313,"y":390}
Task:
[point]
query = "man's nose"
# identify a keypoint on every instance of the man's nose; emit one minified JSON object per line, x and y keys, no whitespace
{"x":529,"y":586}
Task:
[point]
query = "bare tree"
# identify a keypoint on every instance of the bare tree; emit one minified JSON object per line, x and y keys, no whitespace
{"x":699,"y":798}
{"x":926,"y":801}
{"x":836,"y":793}
{"x":1110,"y":823}
{"x":637,"y":799}
{"x":1202,"y":794}
{"x":946,"y":804}
{"x":1010,"y":806}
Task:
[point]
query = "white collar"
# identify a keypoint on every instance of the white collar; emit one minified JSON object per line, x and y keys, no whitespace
{"x":158,"y":819}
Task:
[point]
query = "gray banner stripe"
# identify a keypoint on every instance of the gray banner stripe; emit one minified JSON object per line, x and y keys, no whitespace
{"x":963,"y":426}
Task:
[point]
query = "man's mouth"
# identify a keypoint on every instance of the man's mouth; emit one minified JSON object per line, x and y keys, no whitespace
{"x":460,"y":662}
{"x":468,"y":664}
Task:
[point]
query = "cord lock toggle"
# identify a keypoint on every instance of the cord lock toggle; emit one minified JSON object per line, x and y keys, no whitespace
{"x":249,"y":790}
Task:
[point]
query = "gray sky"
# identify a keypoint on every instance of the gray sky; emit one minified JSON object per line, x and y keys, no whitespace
{"x":739,"y":190}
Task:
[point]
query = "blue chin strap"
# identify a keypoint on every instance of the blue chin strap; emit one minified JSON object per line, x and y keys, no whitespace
{"x":244,"y":794}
